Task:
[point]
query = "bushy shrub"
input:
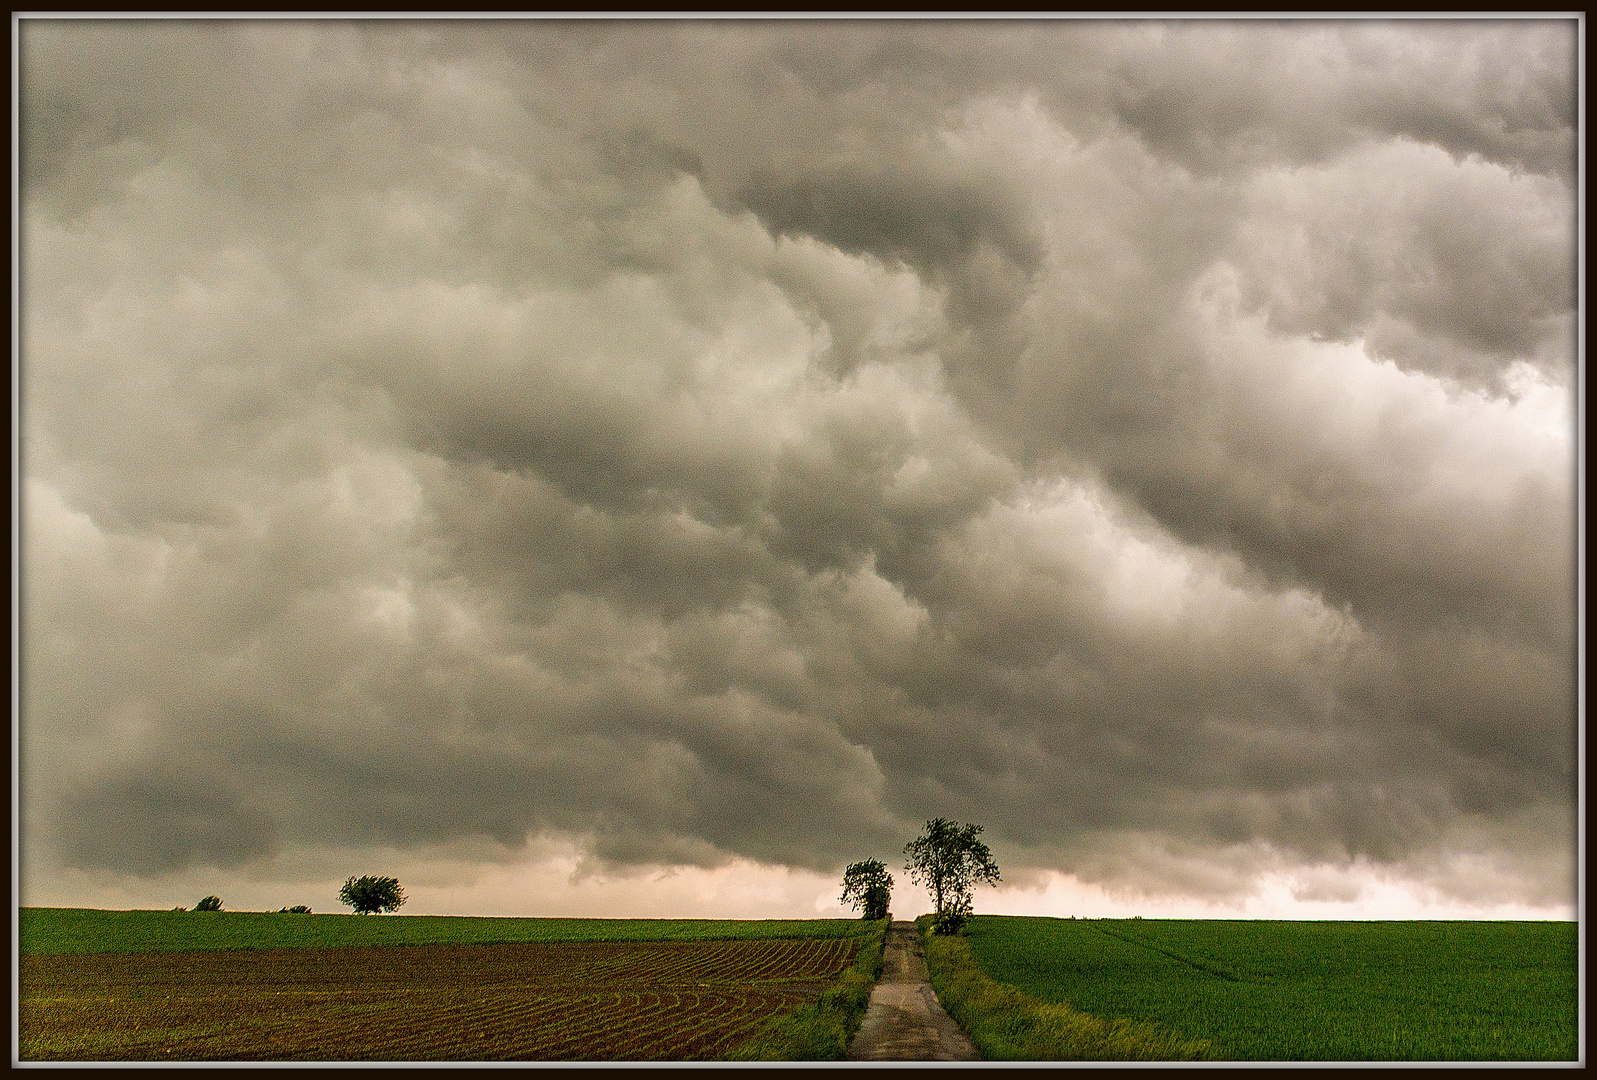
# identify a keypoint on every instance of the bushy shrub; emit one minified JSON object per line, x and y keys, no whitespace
{"x":370,"y":894}
{"x":297,"y":909}
{"x":209,"y":903}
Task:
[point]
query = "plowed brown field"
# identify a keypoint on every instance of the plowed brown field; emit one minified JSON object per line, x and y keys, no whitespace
{"x":629,"y":1001}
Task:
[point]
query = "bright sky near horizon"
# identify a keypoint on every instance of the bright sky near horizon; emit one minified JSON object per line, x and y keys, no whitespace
{"x":634,"y":468}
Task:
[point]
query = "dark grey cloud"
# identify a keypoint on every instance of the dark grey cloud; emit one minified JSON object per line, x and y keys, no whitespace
{"x":716,"y":441}
{"x":1220,"y":96}
{"x":930,"y":222}
{"x":153,"y":818}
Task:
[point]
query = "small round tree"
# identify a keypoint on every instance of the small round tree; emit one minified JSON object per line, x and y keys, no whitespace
{"x":868,"y":885}
{"x":369,"y":894}
{"x":948,"y":859}
{"x":209,"y":903}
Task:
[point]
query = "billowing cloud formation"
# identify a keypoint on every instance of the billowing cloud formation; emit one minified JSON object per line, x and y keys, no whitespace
{"x":721,"y":445}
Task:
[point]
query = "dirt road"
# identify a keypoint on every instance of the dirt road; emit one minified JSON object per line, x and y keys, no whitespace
{"x":904,"y":1021}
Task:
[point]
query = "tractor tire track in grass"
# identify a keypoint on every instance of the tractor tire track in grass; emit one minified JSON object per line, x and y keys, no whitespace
{"x":1209,"y":967}
{"x":677,"y":1000}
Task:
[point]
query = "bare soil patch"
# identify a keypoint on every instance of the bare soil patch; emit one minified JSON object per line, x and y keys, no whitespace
{"x":611,"y":1001}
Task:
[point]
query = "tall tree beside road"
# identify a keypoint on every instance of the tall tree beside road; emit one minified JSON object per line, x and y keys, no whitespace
{"x":948,"y":860}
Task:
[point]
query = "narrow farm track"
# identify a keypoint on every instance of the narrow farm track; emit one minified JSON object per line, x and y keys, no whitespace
{"x":905,"y":1022}
{"x":631,"y":1001}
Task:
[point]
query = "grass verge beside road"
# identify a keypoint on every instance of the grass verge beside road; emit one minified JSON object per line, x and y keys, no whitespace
{"x":1007,"y":1025}
{"x":820,"y":1030}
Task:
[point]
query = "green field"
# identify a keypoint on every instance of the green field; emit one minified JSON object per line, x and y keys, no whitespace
{"x":1258,"y":990}
{"x":91,"y":930}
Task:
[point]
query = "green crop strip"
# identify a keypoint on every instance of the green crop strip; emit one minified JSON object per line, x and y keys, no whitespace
{"x":55,"y":931}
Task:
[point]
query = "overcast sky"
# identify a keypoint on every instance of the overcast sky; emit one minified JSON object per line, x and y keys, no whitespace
{"x":636,"y":468}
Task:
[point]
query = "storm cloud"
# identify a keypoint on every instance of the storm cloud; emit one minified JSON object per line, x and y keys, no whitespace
{"x":719,"y":444}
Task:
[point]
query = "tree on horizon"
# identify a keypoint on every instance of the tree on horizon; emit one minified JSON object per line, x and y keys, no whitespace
{"x":369,"y":894}
{"x":868,"y":885}
{"x":948,"y":860}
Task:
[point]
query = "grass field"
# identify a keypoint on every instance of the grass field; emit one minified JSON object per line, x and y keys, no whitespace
{"x":1008,"y":1025}
{"x":91,"y":930}
{"x":1306,"y":991}
{"x":101,"y":985}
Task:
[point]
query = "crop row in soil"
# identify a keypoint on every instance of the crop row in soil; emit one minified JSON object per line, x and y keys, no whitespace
{"x":613,"y":1001}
